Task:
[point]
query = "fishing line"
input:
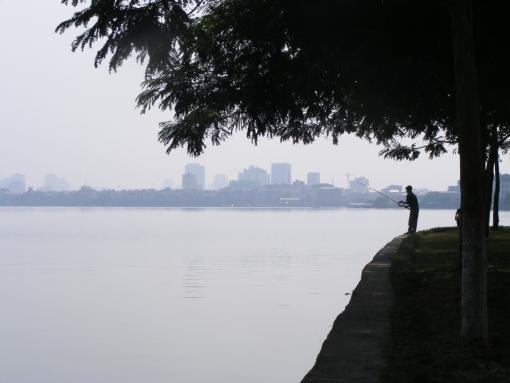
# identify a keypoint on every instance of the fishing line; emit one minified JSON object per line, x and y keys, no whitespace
{"x":399,"y":203}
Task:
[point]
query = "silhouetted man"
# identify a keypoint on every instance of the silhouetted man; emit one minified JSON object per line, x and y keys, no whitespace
{"x":411,"y":203}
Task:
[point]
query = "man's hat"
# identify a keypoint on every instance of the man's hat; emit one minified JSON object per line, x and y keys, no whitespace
{"x":409,"y":187}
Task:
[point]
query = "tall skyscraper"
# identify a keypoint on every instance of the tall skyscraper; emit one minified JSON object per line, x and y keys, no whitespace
{"x":199,"y":172}
{"x":259,"y":177}
{"x":313,"y":178}
{"x":358,"y":185}
{"x":167,"y":184}
{"x":220,"y":181}
{"x":14,"y":184}
{"x":189,"y":181}
{"x":281,"y":174}
{"x":54,"y":183}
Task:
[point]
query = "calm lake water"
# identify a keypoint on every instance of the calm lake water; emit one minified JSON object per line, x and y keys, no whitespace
{"x":179,"y":296}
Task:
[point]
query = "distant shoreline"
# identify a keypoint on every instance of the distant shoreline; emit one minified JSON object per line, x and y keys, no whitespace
{"x":322,"y":208}
{"x":297,"y":195}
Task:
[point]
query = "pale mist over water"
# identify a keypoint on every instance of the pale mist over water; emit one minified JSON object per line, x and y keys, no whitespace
{"x":186,"y":296}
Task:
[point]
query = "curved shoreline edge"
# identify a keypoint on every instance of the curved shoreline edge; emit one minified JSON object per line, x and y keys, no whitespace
{"x":354,"y":350}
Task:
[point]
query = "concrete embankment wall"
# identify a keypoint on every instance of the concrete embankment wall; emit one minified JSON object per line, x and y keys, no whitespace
{"x":355,"y":348}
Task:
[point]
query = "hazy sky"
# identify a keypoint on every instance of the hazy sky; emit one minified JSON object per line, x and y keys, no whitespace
{"x":60,"y":115}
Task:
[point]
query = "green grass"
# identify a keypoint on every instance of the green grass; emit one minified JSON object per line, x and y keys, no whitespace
{"x":426,"y":317}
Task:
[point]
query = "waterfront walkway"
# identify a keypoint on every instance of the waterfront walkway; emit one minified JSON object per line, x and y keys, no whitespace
{"x":355,"y":349}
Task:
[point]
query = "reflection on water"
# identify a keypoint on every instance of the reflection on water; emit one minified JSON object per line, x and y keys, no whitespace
{"x":194,"y":281}
{"x":188,"y":296}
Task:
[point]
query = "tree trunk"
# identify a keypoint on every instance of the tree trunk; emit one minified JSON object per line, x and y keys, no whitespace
{"x":495,"y":212}
{"x":489,"y":180}
{"x":474,"y":261}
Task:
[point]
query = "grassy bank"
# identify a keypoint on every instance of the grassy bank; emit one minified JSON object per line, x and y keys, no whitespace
{"x":426,"y":318}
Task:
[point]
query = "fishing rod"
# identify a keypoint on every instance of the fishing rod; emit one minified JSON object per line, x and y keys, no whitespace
{"x":399,"y":203}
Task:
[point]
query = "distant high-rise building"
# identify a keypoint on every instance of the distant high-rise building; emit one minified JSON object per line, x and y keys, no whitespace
{"x":359,"y":185}
{"x":454,"y":188}
{"x":199,"y":172}
{"x":313,"y":178}
{"x":393,"y":189}
{"x":220,"y":181}
{"x":504,"y":185}
{"x":189,"y":181}
{"x":281,"y":174}
{"x":167,"y":184}
{"x":257,"y":176}
{"x":14,"y":184}
{"x":54,"y":183}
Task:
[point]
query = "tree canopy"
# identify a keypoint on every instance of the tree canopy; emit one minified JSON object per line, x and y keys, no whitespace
{"x":297,"y":69}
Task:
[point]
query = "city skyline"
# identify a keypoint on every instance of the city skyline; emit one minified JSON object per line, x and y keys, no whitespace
{"x":386,"y":171}
{"x":250,"y":190}
{"x":193,"y":177}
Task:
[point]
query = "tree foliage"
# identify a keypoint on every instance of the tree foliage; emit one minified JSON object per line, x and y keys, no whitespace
{"x":297,"y":69}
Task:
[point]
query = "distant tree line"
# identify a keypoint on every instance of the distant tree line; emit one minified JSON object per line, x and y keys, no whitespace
{"x":269,"y":196}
